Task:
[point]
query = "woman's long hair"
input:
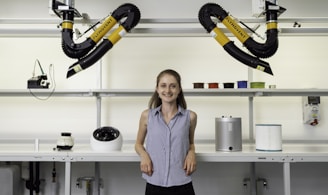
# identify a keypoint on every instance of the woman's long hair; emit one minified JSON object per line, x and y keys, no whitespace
{"x":155,"y":101}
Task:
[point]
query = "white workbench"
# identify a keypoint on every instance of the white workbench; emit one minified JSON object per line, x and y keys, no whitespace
{"x":82,"y":152}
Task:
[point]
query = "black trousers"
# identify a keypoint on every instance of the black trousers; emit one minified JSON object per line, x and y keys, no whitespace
{"x":186,"y":189}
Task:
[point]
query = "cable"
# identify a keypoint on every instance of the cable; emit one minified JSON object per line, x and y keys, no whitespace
{"x":37,"y":61}
{"x":52,"y":79}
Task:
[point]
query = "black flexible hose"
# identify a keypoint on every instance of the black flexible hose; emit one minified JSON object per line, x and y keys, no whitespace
{"x":71,"y":49}
{"x":260,"y":50}
{"x":251,"y":61}
{"x":132,"y":15}
{"x":269,"y":48}
{"x":90,"y":59}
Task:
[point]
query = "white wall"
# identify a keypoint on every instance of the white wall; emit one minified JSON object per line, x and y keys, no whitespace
{"x":124,"y":68}
{"x":134,"y":63}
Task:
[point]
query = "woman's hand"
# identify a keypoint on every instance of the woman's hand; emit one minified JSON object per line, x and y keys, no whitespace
{"x":190,"y":163}
{"x":146,"y":165}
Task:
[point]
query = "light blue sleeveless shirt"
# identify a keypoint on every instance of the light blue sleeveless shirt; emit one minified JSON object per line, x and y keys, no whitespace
{"x":168,"y":145}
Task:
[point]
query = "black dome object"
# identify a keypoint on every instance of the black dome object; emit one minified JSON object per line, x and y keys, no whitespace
{"x":106,"y":133}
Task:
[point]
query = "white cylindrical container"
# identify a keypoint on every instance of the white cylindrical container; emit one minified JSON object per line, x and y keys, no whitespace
{"x":268,"y":137}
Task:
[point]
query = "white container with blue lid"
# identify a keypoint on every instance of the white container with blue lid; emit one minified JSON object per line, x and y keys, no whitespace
{"x":268,"y":137}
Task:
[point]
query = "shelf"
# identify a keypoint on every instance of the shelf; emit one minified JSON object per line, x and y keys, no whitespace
{"x":45,"y":92}
{"x":149,"y":92}
{"x":256,"y":92}
{"x":160,"y":27}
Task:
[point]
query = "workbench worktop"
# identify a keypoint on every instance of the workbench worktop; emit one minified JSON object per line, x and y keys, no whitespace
{"x":13,"y":151}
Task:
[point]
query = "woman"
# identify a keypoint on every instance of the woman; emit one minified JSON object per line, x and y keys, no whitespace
{"x":169,"y":159}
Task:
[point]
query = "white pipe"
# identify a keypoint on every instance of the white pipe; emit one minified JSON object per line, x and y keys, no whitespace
{"x":286,"y":168}
{"x":68,"y":172}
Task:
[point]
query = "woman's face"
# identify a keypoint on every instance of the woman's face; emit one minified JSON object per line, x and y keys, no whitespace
{"x":168,"y":88}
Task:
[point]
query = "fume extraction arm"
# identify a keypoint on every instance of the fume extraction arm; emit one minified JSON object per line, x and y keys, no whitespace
{"x":260,"y":50}
{"x":128,"y":13}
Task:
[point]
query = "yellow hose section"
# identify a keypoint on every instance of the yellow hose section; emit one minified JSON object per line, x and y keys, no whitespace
{"x":103,"y":29}
{"x":219,"y":36}
{"x":261,"y":68}
{"x":272,"y":25}
{"x":235,"y":29}
{"x":77,"y":68}
{"x":67,"y":25}
{"x":117,"y":35}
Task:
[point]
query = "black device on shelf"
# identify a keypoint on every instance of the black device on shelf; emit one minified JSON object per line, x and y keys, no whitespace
{"x":38,"y":82}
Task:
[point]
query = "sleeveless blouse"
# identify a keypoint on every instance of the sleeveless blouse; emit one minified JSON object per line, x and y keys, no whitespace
{"x":168,"y":145}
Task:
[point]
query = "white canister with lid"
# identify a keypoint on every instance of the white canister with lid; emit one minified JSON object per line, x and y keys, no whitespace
{"x":268,"y":137}
{"x":65,"y":141}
